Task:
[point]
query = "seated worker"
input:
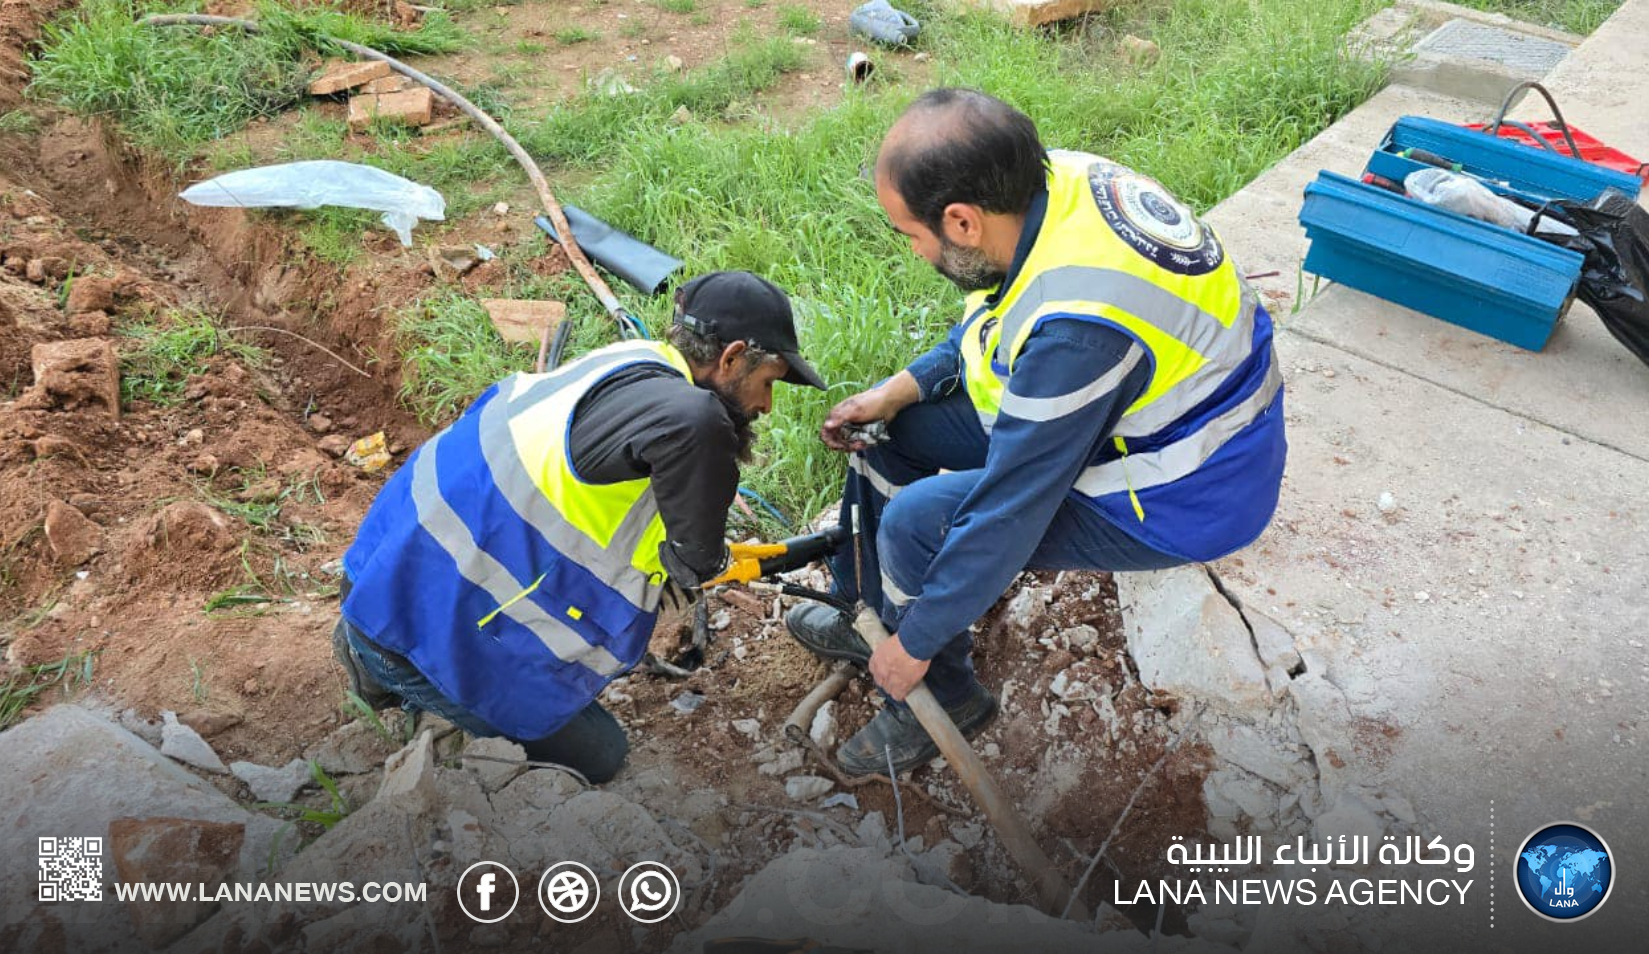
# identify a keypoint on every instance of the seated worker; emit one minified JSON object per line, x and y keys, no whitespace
{"x":514,"y":565}
{"x":1111,"y":401}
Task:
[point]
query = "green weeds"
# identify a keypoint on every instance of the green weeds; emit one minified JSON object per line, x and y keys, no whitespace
{"x":798,"y":20}
{"x":1575,"y":16}
{"x":567,"y":36}
{"x":23,"y":687}
{"x":166,"y":351}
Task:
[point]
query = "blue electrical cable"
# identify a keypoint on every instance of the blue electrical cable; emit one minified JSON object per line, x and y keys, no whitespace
{"x":763,"y":503}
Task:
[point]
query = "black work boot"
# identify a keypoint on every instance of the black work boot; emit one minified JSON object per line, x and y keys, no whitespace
{"x":361,"y":683}
{"x":827,"y":631}
{"x":896,"y":727}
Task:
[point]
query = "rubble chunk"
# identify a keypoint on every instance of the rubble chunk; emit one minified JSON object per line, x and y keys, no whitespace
{"x":340,"y":76}
{"x":412,"y":107}
{"x":175,"y":850}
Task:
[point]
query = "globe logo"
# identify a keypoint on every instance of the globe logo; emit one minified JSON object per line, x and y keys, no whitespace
{"x":1564,"y":871}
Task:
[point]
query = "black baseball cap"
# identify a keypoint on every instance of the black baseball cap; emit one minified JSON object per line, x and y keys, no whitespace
{"x":739,"y":306}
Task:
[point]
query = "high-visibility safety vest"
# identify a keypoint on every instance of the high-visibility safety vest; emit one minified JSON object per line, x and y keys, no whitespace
{"x":1195,"y":463}
{"x":517,"y":588}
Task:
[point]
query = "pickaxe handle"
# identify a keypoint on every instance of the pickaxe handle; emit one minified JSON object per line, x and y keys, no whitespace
{"x":1016,"y":835}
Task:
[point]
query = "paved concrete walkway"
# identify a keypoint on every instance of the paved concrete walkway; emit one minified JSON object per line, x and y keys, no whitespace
{"x":1486,"y":632}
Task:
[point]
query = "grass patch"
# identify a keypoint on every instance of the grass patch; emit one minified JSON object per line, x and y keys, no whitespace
{"x":677,"y":6}
{"x":25,"y":686}
{"x":798,"y":20}
{"x":167,"y":351}
{"x":172,"y":89}
{"x":19,"y":122}
{"x":1575,"y":16}
{"x":450,"y":354}
{"x":567,"y":36}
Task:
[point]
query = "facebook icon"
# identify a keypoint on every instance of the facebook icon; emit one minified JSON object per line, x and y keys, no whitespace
{"x":483,"y":889}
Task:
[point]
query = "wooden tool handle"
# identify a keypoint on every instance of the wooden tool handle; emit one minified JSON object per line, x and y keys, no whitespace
{"x":1009,"y":824}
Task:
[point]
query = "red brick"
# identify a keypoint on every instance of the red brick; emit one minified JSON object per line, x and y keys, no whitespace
{"x":411,"y":106}
{"x":341,"y":76}
{"x":387,"y":84}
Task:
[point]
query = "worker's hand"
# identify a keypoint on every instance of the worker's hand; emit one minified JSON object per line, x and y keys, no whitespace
{"x":880,"y":403}
{"x":895,"y":670}
{"x":677,"y":598}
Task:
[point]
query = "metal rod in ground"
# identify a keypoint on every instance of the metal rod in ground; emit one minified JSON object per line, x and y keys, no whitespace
{"x":540,"y":185}
{"x":1010,"y":825}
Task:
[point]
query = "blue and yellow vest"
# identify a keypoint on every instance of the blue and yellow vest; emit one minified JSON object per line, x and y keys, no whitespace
{"x":518,"y":589}
{"x":1194,"y":466}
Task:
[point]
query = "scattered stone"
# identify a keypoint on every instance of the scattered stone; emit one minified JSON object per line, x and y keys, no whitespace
{"x":208,"y":723}
{"x":823,"y":729}
{"x":279,"y":785}
{"x":180,"y":742}
{"x":451,"y":262}
{"x":841,"y":800}
{"x":523,"y":321}
{"x":205,"y":465}
{"x":721,"y":620}
{"x":1027,"y":606}
{"x":75,"y":373}
{"x":609,"y":83}
{"x":340,"y":76}
{"x":1083,"y":640}
{"x":35,"y":271}
{"x":748,"y":727}
{"x":335,"y":444}
{"x":1387,"y":503}
{"x":73,"y":537}
{"x":90,"y":293}
{"x":319,"y":423}
{"x":495,"y":775}
{"x":409,"y":776}
{"x":174,"y":850}
{"x":922,"y":57}
{"x":356,"y":748}
{"x":1350,"y":816}
{"x":805,"y":788}
{"x":682,"y":116}
{"x":1140,"y":50}
{"x":413,"y":107}
{"x":781,"y":763}
{"x":687,"y":703}
{"x":194,"y":437}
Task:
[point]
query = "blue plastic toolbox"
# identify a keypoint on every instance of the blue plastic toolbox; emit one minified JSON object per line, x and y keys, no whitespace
{"x":1480,"y":276}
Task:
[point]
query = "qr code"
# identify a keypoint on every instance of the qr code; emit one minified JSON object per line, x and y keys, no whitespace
{"x":71,"y":869}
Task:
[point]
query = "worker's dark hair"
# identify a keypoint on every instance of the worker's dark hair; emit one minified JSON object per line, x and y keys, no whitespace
{"x":978,"y":150}
{"x":701,"y":350}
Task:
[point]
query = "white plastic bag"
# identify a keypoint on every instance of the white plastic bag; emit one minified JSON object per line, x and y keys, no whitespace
{"x":312,"y":184}
{"x":1467,"y":196}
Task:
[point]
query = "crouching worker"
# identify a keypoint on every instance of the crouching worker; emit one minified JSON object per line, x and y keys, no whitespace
{"x":514,"y":566}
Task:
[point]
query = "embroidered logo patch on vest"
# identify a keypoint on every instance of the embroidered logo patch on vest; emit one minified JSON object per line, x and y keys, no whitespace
{"x":1149,"y":218}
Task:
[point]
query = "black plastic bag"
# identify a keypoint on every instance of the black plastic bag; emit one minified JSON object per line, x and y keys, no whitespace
{"x":1614,"y":236}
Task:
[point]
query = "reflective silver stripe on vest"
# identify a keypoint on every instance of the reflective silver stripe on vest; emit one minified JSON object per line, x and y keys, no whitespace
{"x":1222,"y":348}
{"x":1053,"y":408}
{"x":483,"y":570}
{"x":987,"y":420}
{"x":611,"y":566}
{"x":594,"y":363}
{"x":1200,"y":384}
{"x":1184,"y":456}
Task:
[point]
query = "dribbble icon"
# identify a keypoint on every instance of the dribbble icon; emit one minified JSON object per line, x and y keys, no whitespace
{"x":1564,"y":871}
{"x":649,"y":892}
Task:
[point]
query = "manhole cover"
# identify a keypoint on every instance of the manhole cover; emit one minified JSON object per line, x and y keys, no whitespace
{"x":1478,"y":41}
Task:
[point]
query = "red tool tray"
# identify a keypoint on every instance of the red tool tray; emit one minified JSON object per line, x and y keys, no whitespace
{"x":1591,"y":149}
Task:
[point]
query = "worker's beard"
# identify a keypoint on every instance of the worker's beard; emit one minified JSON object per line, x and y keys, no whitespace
{"x":743,"y":423}
{"x":967,"y":268}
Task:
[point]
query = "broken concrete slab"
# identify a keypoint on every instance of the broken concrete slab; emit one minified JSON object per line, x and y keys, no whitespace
{"x":269,"y":784}
{"x":411,"y":107}
{"x":174,"y":850}
{"x":185,"y":744}
{"x":69,"y":772}
{"x":339,"y":76}
{"x":864,"y":898}
{"x":524,"y":322}
{"x":496,"y":762}
{"x":359,"y":747}
{"x":1190,"y":642}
